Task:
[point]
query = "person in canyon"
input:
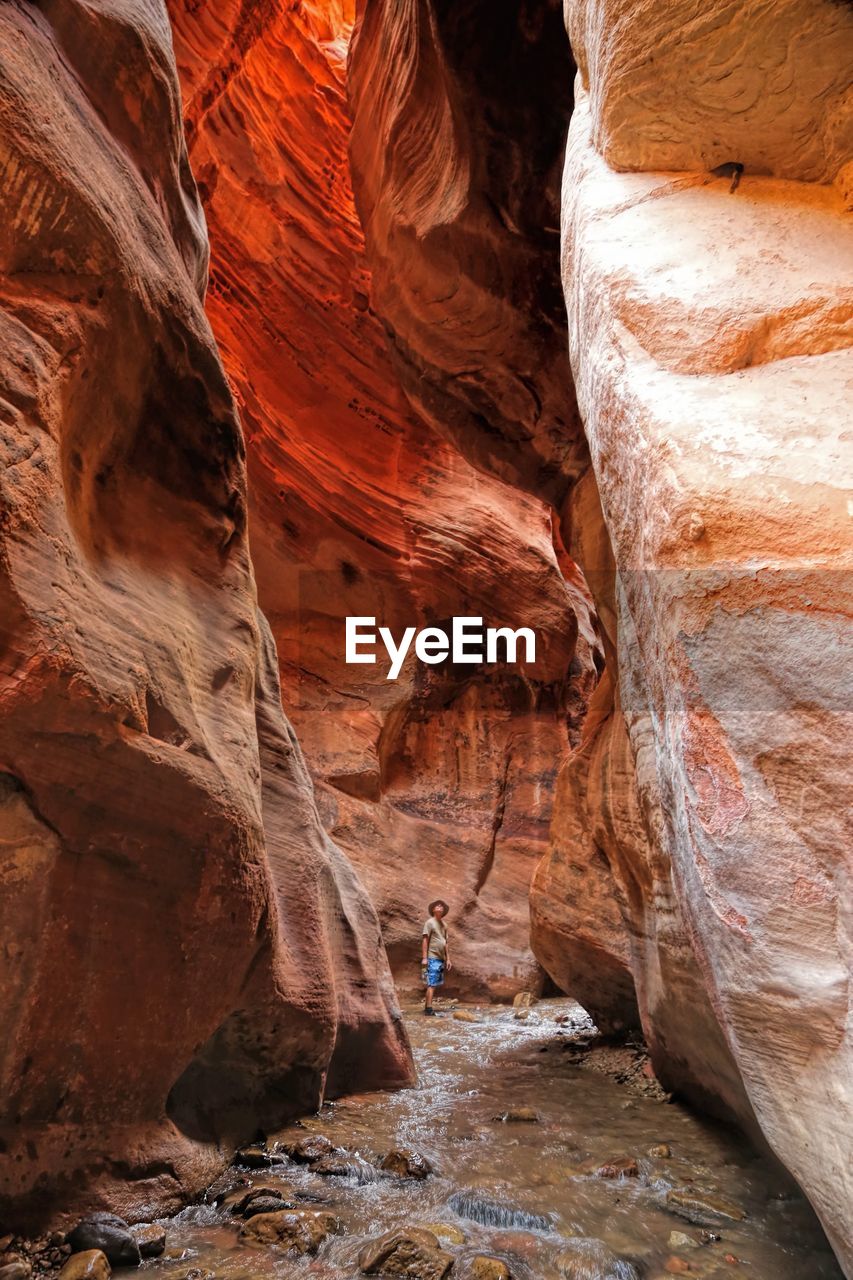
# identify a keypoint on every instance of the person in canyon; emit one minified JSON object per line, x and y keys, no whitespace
{"x":435,"y":953}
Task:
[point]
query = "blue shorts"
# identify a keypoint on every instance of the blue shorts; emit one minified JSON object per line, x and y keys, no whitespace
{"x":434,"y":972}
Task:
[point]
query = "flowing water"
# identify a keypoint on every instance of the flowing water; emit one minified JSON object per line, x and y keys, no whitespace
{"x":528,"y":1193}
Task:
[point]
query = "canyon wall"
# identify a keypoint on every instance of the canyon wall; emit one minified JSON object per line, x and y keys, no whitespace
{"x":441,"y":782}
{"x":184,"y":953}
{"x":710,"y":334}
{"x":699,"y":870}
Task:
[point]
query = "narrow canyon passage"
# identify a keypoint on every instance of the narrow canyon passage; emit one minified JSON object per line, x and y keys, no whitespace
{"x":407,"y":313}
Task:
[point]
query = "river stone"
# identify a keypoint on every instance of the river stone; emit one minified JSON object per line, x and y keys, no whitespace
{"x":702,"y":1207}
{"x":255,"y":1156}
{"x":518,"y":1115}
{"x":341,"y":1164}
{"x":680,"y":1240}
{"x":108,"y":1233}
{"x":662,"y":1151}
{"x":405,"y":1162}
{"x":297,"y":1230}
{"x":446,"y":1231}
{"x":618,"y":1167}
{"x":481,"y":1266}
{"x":90,"y":1264}
{"x":267,"y":1204}
{"x":150,"y":1238}
{"x":523,"y":1000}
{"x":308,"y":1150}
{"x":587,"y":1259}
{"x":17,"y":1269}
{"x":414,"y":1253}
{"x":465,"y":1015}
{"x":238,"y":1201}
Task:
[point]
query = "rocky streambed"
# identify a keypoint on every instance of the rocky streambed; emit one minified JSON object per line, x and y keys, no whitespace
{"x":525,"y":1151}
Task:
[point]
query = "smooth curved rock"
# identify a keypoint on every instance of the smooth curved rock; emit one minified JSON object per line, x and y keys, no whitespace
{"x":459,"y":117}
{"x":440,"y":782}
{"x":716,"y":421}
{"x":156,"y":820}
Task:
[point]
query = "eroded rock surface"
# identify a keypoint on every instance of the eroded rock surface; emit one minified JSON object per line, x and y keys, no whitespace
{"x":710,"y":338}
{"x":674,"y":86}
{"x":182,"y":946}
{"x":440,"y":782}
{"x":698,"y":873}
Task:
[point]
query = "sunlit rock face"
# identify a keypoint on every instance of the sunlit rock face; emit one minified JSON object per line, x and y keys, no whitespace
{"x":710,"y":340}
{"x":441,"y":782}
{"x":679,"y":86}
{"x":184,"y":955}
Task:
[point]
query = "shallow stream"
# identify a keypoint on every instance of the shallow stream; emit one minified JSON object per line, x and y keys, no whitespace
{"x":530,"y":1193}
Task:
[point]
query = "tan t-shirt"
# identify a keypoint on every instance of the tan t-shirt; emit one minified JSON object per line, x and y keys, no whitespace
{"x":437,"y":934}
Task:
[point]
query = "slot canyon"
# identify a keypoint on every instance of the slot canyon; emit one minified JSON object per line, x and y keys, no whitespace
{"x":531,"y":311}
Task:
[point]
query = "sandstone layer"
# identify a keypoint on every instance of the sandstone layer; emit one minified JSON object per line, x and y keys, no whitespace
{"x":699,"y":872}
{"x":710,"y":336}
{"x":439,"y":783}
{"x":185,"y":955}
{"x":460,"y":113}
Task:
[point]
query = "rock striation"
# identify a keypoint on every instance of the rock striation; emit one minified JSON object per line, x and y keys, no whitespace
{"x":185,"y":954}
{"x":696,"y":879}
{"x":710,"y":339}
{"x":441,"y":782}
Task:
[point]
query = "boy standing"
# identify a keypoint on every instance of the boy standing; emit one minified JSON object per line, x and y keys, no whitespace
{"x":435,"y":955}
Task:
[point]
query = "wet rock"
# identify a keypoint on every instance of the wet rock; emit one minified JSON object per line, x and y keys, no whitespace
{"x":16,"y":1270}
{"x":344,"y":1164}
{"x":296,"y":1230}
{"x":5,"y":1242}
{"x":680,"y":1240}
{"x":676,"y":1266}
{"x":267,"y":1204}
{"x":661,"y":1151}
{"x":586,"y":1259}
{"x":108,"y":1233}
{"x":518,"y":1115}
{"x":465,"y":1015}
{"x":415,"y":1253}
{"x":239,"y":1201}
{"x":308,"y":1150}
{"x":197,"y":1273}
{"x":521,"y":1015}
{"x":481,"y":1267}
{"x":89,"y":1264}
{"x":702,"y":1207}
{"x":255,"y":1156}
{"x":618,"y":1167}
{"x":404,"y":1162}
{"x":445,"y":1231}
{"x":523,"y":1000}
{"x":150,"y":1237}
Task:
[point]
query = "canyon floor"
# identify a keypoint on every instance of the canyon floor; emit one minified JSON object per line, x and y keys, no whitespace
{"x":550,"y":1154}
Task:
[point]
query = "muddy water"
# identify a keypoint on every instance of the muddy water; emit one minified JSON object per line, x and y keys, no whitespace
{"x":524,"y":1192}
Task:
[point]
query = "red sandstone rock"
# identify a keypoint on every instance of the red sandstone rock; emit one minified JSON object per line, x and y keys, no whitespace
{"x":184,"y":952}
{"x":440,"y":782}
{"x":459,"y":128}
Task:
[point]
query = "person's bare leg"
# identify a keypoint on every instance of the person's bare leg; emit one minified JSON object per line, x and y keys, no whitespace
{"x":430,"y":991}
